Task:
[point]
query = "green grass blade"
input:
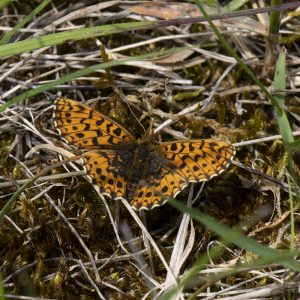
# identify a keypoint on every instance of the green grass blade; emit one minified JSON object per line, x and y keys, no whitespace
{"x":229,"y":236}
{"x":28,"y":18}
{"x":237,"y":58}
{"x":295,"y":145}
{"x":73,"y":35}
{"x":293,"y":234}
{"x":4,"y":3}
{"x":235,"y":4}
{"x":239,"y":239}
{"x":274,"y":21}
{"x":280,"y":84}
{"x":1,"y":288}
{"x":9,"y":204}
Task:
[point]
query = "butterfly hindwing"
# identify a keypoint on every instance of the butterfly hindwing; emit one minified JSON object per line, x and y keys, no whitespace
{"x":85,"y":128}
{"x":156,"y":191}
{"x":103,"y":174}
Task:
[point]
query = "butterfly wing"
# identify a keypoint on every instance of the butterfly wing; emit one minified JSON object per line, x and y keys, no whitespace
{"x":199,"y":160}
{"x":105,"y":173}
{"x":155,"y":191}
{"x":188,"y":161}
{"x":85,"y":128}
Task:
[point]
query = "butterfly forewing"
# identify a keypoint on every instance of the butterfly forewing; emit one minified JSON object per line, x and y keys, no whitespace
{"x":85,"y":128}
{"x":199,"y":160}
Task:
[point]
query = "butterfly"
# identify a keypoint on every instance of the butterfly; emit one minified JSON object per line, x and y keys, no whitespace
{"x":142,"y":171}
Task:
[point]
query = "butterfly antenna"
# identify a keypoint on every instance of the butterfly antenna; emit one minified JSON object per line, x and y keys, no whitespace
{"x":123,"y":97}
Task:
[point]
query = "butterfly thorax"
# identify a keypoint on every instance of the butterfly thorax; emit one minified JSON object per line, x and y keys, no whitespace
{"x":140,"y":164}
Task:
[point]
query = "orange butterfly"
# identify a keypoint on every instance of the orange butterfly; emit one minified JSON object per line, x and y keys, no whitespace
{"x":120,"y":166}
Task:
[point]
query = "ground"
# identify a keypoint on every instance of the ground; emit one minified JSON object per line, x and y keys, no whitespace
{"x":62,"y":239}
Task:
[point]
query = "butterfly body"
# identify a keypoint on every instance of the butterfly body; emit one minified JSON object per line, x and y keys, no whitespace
{"x":142,"y":165}
{"x":142,"y":171}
